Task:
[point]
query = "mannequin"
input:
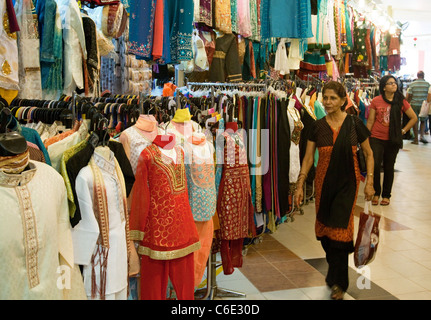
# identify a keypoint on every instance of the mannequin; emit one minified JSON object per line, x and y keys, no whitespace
{"x":162,"y":221}
{"x":136,"y":138}
{"x":181,"y":125}
{"x":166,"y":144}
{"x":199,"y":164}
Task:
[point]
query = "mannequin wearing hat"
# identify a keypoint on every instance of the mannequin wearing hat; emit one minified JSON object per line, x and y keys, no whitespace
{"x":181,"y":125}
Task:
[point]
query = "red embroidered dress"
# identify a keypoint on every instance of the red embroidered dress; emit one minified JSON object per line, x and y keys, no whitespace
{"x":161,"y":218}
{"x":234,"y":206}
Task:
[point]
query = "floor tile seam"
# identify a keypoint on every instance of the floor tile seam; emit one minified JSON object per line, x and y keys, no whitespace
{"x":297,"y":258}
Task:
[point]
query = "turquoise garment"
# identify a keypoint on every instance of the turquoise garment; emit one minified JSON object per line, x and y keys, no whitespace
{"x":234,"y":15}
{"x":264,"y":19}
{"x":320,"y":113}
{"x":201,"y":189}
{"x":253,"y":144}
{"x":177,"y":31}
{"x":286,"y":19}
{"x":32,"y":136}
{"x":362,"y":111}
{"x":141,"y":28}
{"x":51,"y":46}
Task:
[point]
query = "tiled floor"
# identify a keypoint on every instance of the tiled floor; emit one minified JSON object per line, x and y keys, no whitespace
{"x":290,"y":263}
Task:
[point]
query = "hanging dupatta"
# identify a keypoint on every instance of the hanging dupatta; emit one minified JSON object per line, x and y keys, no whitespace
{"x":339,"y":185}
{"x":100,"y":209}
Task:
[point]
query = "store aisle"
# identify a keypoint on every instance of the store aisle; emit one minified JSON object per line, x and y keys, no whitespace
{"x":290,"y":263}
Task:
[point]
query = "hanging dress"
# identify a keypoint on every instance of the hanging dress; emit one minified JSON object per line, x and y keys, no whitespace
{"x":234,"y":207}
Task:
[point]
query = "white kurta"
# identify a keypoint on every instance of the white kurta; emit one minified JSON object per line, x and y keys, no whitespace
{"x":86,"y":232}
{"x":36,"y":251}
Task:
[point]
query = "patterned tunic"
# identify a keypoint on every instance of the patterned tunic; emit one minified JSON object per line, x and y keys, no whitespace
{"x":160,"y":216}
{"x":201,"y":181}
{"x":234,"y":206}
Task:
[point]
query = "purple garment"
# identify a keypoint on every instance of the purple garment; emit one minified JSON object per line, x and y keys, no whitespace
{"x":13,"y":23}
{"x":206,"y":12}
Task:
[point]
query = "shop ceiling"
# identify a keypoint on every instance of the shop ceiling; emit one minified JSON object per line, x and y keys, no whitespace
{"x":417,"y":13}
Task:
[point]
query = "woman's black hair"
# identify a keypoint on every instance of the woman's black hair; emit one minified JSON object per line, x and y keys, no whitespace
{"x":398,"y":95}
{"x":339,"y":90}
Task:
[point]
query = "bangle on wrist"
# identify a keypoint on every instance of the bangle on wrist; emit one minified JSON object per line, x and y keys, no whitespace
{"x":370,"y":174}
{"x":403,"y":131}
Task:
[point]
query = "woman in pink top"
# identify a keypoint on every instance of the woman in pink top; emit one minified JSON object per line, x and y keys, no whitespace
{"x":384,"y":122}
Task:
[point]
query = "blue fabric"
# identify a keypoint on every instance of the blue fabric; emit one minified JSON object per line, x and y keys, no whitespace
{"x":51,"y":46}
{"x":177,"y":31}
{"x":286,"y":19}
{"x":32,"y":136}
{"x":141,"y":27}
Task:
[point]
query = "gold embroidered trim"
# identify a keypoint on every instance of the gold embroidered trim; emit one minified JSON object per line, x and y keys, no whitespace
{"x":31,"y":244}
{"x":220,"y":55}
{"x":169,"y":255}
{"x":176,"y":173}
{"x":136,"y":235}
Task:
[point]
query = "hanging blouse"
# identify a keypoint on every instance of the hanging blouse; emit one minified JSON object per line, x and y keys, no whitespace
{"x":206,"y":12}
{"x":281,"y":60}
{"x":141,"y":26}
{"x":223,"y":16}
{"x":28,"y":49}
{"x":244,"y":22}
{"x":234,"y":15}
{"x":225,"y":65}
{"x":296,"y":127}
{"x":74,"y":48}
{"x":51,"y":49}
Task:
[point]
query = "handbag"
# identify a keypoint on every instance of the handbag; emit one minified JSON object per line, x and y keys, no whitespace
{"x":424,"y":110}
{"x":360,"y":154}
{"x":367,"y":239}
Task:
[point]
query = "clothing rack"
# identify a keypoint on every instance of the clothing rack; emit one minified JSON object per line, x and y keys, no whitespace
{"x":212,"y":290}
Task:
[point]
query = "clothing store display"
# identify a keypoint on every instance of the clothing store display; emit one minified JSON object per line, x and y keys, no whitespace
{"x":149,"y":175}
{"x":161,"y":218}
{"x":100,"y":238}
{"x":36,"y":235}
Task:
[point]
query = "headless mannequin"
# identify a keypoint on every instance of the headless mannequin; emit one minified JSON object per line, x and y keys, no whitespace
{"x":134,"y":263}
{"x":147,"y":124}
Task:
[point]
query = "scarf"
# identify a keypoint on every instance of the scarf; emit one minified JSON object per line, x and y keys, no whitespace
{"x":14,"y":164}
{"x":395,"y":135}
{"x":339,"y":185}
{"x":165,"y":141}
{"x":100,"y":209}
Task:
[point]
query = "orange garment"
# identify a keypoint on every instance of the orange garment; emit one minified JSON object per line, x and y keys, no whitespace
{"x":337,"y":234}
{"x":158,"y":31}
{"x":61,"y":136}
{"x":205,"y":231}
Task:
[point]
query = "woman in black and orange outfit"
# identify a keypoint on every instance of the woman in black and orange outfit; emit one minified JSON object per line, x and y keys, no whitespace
{"x":336,"y":182}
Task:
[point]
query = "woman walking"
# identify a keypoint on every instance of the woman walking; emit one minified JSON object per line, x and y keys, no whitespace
{"x":337,"y":182}
{"x":384,"y":122}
